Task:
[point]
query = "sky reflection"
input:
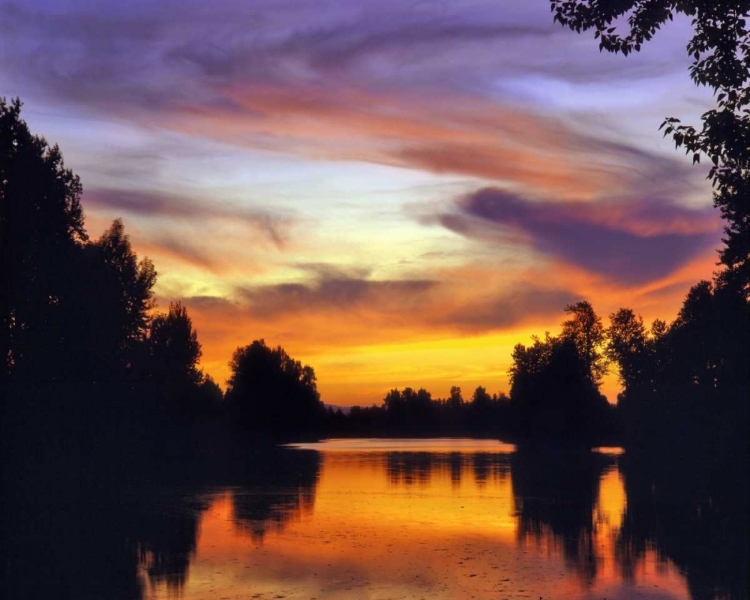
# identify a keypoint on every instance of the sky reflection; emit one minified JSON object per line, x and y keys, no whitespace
{"x":427,"y":524}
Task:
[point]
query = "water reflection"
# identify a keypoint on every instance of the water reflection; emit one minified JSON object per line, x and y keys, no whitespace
{"x":556,"y":491}
{"x":421,"y":468}
{"x":287,"y":493}
{"x":165,"y":535}
{"x":692,"y":512}
{"x":80,"y":542}
{"x":445,"y":523}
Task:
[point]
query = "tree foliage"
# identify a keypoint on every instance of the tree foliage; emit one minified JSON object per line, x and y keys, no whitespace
{"x":41,"y":229}
{"x":117,"y":316}
{"x":555,"y":381}
{"x":172,"y":364}
{"x":410,"y":410}
{"x":269,"y":391}
{"x":720,"y":53}
{"x":174,"y":347}
{"x":627,"y":341}
{"x":75,"y":311}
{"x":688,"y":377}
{"x":584,"y":328}
{"x":553,"y":394}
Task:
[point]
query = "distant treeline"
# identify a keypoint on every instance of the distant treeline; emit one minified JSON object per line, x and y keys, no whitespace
{"x":85,"y":353}
{"x":411,"y":412}
{"x":683,"y":381}
{"x":554,"y":395}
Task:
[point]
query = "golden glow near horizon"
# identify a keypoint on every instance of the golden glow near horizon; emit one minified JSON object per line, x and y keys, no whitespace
{"x":442,"y":524}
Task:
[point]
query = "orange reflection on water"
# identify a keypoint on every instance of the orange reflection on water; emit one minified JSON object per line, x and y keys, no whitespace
{"x":426,"y":523}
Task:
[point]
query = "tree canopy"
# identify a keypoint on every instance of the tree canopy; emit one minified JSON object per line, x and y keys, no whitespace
{"x":174,"y":346}
{"x":41,"y":227}
{"x":119,"y":313}
{"x":584,"y":328}
{"x":269,"y":391}
{"x":555,"y":380}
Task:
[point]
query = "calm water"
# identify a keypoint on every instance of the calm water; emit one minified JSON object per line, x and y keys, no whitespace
{"x":388,"y":519}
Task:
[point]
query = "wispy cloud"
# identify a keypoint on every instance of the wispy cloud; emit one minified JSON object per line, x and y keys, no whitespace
{"x":333,"y":290}
{"x":505,"y":309}
{"x":271,"y":224}
{"x":630,"y":242}
{"x":387,"y":310}
{"x":105,"y":53}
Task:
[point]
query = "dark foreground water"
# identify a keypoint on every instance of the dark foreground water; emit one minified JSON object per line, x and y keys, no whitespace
{"x":392,"y":519}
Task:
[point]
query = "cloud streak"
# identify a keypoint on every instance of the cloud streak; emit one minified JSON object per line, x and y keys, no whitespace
{"x":446,"y":303}
{"x":380,"y":83}
{"x":332,"y":290}
{"x":108,"y":52}
{"x":627,"y":242}
{"x":271,"y":225}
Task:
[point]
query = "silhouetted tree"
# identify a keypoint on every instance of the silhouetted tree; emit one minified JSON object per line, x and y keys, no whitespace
{"x":119,"y":310}
{"x":416,"y":412}
{"x":481,"y":399}
{"x":41,"y":231}
{"x":455,"y":410}
{"x":627,"y":347}
{"x":455,"y":400}
{"x":174,"y":352}
{"x":708,"y":344}
{"x":480,"y":409}
{"x":586,"y":331}
{"x":174,"y":347}
{"x":411,"y":411}
{"x":552,"y":393}
{"x":720,"y":49}
{"x":367,"y":420}
{"x":71,"y":310}
{"x":489,"y":414}
{"x":271,"y":392}
{"x":210,"y":396}
{"x":688,"y":379}
{"x":555,"y":382}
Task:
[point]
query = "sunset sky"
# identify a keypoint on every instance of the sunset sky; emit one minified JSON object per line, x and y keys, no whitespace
{"x":395,"y":192}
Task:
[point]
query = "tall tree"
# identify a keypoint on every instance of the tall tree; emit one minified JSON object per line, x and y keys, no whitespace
{"x":174,"y":347}
{"x":552,"y":392}
{"x":584,"y":328}
{"x":270,"y":392}
{"x":117,"y":296}
{"x":455,"y":401}
{"x":720,"y":51}
{"x":172,"y":364}
{"x":41,"y":230}
{"x":627,"y":346}
{"x":709,"y":341}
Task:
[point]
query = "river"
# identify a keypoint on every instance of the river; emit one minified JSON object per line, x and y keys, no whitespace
{"x":387,"y":519}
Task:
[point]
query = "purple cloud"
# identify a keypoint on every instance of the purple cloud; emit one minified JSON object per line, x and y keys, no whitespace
{"x":155,"y":56}
{"x":633,"y":242}
{"x":333,"y":289}
{"x":156,"y":204}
